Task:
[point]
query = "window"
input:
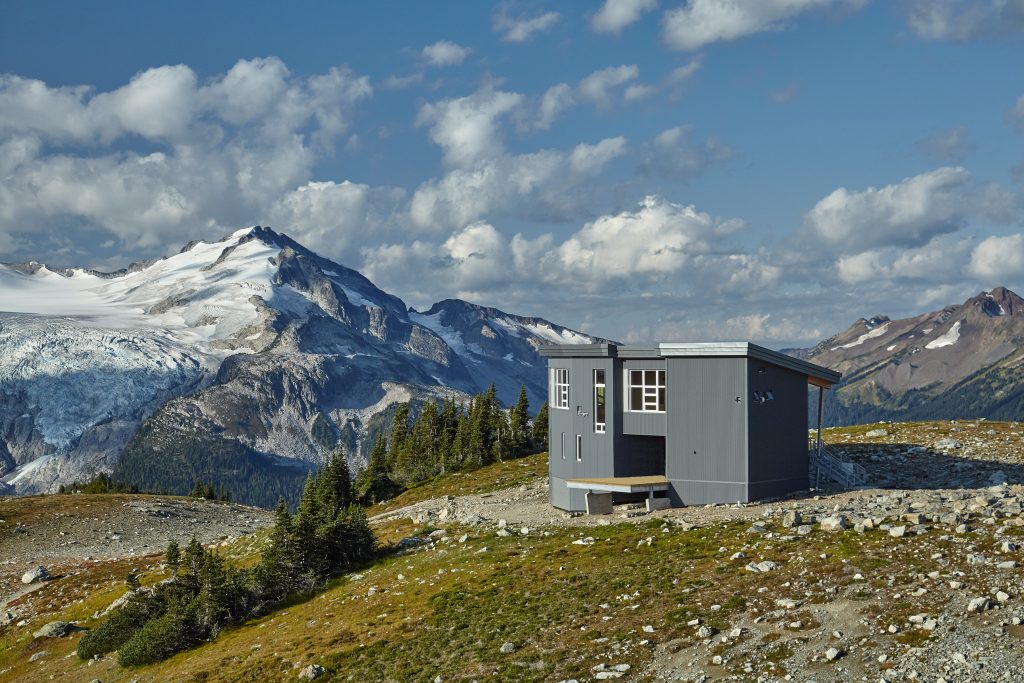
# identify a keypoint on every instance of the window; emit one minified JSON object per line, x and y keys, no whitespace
{"x":599,"y":410}
{"x":764,"y":396}
{"x":579,"y":448}
{"x":646,"y":391}
{"x":559,"y":388}
{"x":563,"y":446}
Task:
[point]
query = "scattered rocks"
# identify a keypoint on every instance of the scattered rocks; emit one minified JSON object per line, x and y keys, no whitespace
{"x":791,"y":518}
{"x":978,"y":605}
{"x":834,"y":523}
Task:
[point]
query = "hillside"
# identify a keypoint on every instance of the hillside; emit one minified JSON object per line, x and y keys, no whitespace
{"x":962,"y":361}
{"x":242,"y":361}
{"x":748,"y":592}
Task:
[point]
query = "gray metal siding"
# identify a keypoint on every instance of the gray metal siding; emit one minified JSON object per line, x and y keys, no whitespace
{"x":598,"y":449}
{"x":645,"y":424}
{"x":706,"y":445}
{"x":778,"y":430}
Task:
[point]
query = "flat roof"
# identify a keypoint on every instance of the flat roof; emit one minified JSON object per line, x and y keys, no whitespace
{"x":656,"y":482}
{"x":816,"y":374}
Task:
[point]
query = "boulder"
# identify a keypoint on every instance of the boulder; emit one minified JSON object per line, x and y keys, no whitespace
{"x":34,"y":575}
{"x":55,"y":629}
{"x":834,"y":523}
{"x":311,"y":672}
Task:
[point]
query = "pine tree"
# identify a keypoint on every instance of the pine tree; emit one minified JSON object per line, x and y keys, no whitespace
{"x":519,"y":424}
{"x":374,"y":482}
{"x":399,"y":435}
{"x":173,"y":556}
{"x":540,"y":428}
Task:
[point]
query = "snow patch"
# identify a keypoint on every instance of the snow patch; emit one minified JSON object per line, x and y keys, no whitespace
{"x":890,"y":348}
{"x":947,"y":339}
{"x":870,"y":334}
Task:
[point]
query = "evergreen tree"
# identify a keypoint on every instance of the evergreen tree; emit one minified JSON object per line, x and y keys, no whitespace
{"x":399,"y":435}
{"x":173,"y":556}
{"x":374,"y":482}
{"x":519,"y":424}
{"x":540,"y":428}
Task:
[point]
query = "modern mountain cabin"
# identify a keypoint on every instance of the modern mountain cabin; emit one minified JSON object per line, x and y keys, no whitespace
{"x":677,"y":423}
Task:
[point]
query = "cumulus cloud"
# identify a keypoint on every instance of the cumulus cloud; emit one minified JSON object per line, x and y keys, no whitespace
{"x":444,"y":53}
{"x":949,"y":146}
{"x":615,"y":15}
{"x":466,"y":128}
{"x":909,"y":213}
{"x":597,"y":87}
{"x":997,"y":259}
{"x":539,"y":186}
{"x":1015,"y":115}
{"x":600,"y":88}
{"x":521,"y":29}
{"x":964,"y":20}
{"x":673,"y":153}
{"x":218,"y":153}
{"x":697,"y":23}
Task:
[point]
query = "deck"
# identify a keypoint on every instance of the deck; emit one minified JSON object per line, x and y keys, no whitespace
{"x":648,"y":484}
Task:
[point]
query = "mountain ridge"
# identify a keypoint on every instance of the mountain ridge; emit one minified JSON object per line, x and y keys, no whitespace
{"x":248,"y":349}
{"x":961,"y":361}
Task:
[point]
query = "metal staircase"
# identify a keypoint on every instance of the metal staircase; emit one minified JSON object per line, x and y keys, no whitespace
{"x":826,"y":464}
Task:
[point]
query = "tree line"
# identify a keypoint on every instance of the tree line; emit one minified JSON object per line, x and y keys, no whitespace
{"x":449,"y":437}
{"x":328,"y":535}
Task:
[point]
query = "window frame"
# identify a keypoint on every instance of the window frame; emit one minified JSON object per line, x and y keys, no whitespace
{"x":579,"y":448}
{"x":600,"y":402}
{"x":653,"y":396}
{"x":558,"y":391}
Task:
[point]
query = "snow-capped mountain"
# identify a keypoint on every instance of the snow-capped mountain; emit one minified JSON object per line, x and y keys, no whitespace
{"x":244,"y":355}
{"x":962,"y":361}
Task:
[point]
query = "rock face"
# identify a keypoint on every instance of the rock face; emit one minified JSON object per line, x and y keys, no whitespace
{"x":963,"y":361}
{"x":252,"y":350}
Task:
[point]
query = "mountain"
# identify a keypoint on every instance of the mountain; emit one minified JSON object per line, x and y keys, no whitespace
{"x":240,"y":361}
{"x":963,"y":361}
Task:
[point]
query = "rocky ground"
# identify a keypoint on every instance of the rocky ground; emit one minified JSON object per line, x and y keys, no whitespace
{"x":917,"y":578}
{"x":952,"y":492}
{"x":62,"y":532}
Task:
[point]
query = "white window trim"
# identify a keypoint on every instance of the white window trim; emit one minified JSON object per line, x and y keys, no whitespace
{"x":553,"y":389}
{"x":579,"y":448}
{"x":600,"y":427}
{"x":651,"y":390}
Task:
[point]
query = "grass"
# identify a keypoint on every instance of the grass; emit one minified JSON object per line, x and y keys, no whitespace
{"x":494,"y":477}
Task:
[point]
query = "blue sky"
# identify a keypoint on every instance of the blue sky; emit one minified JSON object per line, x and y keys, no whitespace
{"x":701,"y":169}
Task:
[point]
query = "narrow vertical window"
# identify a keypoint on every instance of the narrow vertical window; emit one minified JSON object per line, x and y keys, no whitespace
{"x":599,"y":409}
{"x":563,"y":446}
{"x":579,"y":448}
{"x":559,"y":397}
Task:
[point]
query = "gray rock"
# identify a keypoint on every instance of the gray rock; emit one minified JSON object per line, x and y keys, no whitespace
{"x":311,"y":672}
{"x":833,"y":653}
{"x":37,"y":656}
{"x":507,"y":648}
{"x":898,"y":531}
{"x":948,"y":443}
{"x":791,"y":518}
{"x":875,"y":433}
{"x":834,"y":523}
{"x":55,"y":629}
{"x":705,"y":632}
{"x":34,"y":575}
{"x":978,"y":605}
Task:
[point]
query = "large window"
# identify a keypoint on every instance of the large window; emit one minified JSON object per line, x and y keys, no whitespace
{"x":559,"y":394}
{"x":599,"y":409}
{"x":646,"y":391}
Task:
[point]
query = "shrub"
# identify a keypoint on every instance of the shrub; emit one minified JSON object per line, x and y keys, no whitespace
{"x":158,"y":640}
{"x":115,"y":631}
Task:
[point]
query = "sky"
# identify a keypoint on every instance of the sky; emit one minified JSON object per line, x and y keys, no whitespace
{"x":642,"y":170}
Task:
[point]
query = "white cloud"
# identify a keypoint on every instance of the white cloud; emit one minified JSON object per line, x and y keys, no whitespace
{"x":997,"y":259}
{"x":1016,"y":114}
{"x":402,"y":82}
{"x":909,"y":213}
{"x":521,"y":29}
{"x":964,"y":20}
{"x":682,"y":74}
{"x":757,"y":327}
{"x":697,"y":23}
{"x":466,"y":128}
{"x":556,"y":99}
{"x":950,"y":146}
{"x":616,"y":15}
{"x":538,"y":186}
{"x":674,"y":154}
{"x":219,"y":153}
{"x":638,"y":91}
{"x":597,"y":86}
{"x":444,"y":53}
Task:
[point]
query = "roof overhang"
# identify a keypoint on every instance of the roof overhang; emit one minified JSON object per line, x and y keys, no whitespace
{"x":817,"y":375}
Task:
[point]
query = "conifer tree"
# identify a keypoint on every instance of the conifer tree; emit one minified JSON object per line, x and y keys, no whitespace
{"x":374,"y":482}
{"x":540,"y":428}
{"x":519,"y":424}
